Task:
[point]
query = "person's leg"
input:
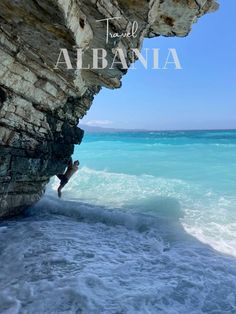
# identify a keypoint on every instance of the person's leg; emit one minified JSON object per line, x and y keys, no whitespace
{"x":64,"y":181}
{"x":59,"y":189}
{"x":60,"y":176}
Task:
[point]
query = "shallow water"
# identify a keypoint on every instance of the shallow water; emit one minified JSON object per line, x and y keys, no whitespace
{"x":147,"y":226}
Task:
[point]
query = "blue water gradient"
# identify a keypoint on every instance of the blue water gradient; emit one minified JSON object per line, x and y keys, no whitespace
{"x":204,"y":157}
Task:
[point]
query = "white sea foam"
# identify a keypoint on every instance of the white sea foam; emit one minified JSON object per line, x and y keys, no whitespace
{"x":118,"y":189}
{"x":203,"y":213}
{"x":73,"y":257}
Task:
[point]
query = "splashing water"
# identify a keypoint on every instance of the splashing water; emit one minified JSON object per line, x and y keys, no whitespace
{"x":147,"y":226}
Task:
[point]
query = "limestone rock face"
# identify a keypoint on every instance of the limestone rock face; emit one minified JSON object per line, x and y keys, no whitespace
{"x":40,"y":106}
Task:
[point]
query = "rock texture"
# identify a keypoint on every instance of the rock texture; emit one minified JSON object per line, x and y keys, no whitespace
{"x":40,"y":107}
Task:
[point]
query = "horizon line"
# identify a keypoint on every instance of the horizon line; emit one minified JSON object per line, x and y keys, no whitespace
{"x":153,"y":130}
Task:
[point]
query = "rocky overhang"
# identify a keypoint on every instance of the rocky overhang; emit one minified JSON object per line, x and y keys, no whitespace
{"x":40,"y":106}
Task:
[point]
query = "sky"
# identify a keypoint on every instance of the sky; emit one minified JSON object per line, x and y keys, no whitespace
{"x":200,"y":96}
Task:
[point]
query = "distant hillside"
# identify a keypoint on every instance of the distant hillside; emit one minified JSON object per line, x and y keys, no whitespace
{"x":97,"y":129}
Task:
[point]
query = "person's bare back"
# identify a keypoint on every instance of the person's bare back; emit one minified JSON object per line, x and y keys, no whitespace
{"x":70,"y":171}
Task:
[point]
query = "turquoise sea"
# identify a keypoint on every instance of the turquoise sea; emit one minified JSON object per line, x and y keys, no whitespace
{"x":148,"y":225}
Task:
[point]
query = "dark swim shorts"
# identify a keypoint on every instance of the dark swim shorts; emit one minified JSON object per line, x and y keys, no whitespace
{"x":63,"y":179}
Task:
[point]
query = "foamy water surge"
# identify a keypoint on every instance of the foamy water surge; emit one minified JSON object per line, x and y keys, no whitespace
{"x":78,"y":258}
{"x":148,"y":226}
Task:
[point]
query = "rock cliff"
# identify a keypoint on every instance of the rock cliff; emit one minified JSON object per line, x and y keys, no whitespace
{"x":40,"y":106}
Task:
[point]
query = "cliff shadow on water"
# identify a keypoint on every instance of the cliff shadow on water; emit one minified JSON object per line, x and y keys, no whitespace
{"x":75,"y":256}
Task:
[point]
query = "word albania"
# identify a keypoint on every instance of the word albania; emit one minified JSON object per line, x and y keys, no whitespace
{"x":151,"y":58}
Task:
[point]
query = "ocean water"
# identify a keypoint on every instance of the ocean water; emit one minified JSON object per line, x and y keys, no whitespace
{"x":148,"y":225}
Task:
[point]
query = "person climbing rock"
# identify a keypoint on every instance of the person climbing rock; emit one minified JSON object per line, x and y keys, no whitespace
{"x":72,"y":168}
